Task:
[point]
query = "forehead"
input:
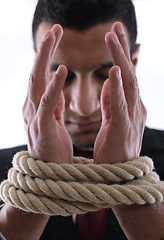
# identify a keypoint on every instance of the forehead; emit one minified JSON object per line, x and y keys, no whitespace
{"x":80,"y":47}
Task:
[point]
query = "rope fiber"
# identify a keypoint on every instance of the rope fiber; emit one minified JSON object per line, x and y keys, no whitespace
{"x":66,"y":189}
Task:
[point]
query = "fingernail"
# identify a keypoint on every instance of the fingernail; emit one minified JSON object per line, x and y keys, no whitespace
{"x":55,"y":28}
{"x":59,"y":71}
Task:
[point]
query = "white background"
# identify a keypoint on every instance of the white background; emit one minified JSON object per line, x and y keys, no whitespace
{"x":16,"y":59}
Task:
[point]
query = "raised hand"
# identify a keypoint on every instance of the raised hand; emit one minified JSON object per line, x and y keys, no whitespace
{"x":123,"y":113}
{"x":48,"y":138}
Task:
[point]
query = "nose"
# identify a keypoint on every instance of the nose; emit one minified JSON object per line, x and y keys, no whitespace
{"x":85,"y":97}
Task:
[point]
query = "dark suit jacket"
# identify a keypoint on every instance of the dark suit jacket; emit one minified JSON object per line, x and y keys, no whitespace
{"x":63,"y":228}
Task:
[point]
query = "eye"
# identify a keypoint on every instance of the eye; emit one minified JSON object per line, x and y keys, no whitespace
{"x":70,"y":74}
{"x":70,"y":77}
{"x":102,"y":74}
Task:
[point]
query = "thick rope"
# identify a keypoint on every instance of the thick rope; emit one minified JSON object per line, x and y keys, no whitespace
{"x":114,"y":173}
{"x":65,"y":189}
{"x":60,"y":189}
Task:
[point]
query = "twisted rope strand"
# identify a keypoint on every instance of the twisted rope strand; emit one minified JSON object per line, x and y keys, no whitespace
{"x":119,"y":194}
{"x":49,"y":188}
{"x":60,"y":189}
{"x":114,"y":173}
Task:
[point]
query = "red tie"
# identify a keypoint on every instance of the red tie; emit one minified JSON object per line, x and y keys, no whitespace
{"x":92,"y":225}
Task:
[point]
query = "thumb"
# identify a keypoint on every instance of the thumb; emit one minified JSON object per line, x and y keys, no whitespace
{"x":105,"y":103}
{"x":59,"y":112}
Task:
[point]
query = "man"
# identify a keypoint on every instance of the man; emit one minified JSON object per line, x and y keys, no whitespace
{"x":103,"y":115}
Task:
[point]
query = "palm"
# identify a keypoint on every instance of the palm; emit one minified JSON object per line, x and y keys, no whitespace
{"x":48,"y":138}
{"x":55,"y":142}
{"x":101,"y":150}
{"x":107,"y":143}
{"x":123,"y":113}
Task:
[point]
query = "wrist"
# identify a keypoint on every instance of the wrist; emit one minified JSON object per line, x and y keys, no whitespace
{"x":132,"y":219}
{"x":30,"y":225}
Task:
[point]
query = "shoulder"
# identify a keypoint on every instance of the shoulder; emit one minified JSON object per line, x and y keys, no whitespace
{"x":6,"y":156}
{"x":153,"y":147}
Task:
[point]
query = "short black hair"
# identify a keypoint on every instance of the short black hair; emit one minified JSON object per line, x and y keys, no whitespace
{"x":84,"y":14}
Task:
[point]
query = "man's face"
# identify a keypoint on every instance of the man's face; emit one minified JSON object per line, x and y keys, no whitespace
{"x":88,"y":61}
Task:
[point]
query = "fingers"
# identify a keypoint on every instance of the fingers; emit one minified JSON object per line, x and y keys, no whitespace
{"x":40,"y":72}
{"x":105,"y":103}
{"x":118,"y":103}
{"x":113,"y":102}
{"x":120,"y":56}
{"x":41,"y":98}
{"x":118,"y":29}
{"x":52,"y":101}
{"x":58,"y":32}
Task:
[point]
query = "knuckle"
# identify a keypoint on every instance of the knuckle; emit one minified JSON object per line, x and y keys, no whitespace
{"x":134,"y":81}
{"x":45,"y":100}
{"x":30,"y":87}
{"x":31,"y":79}
{"x":123,"y":105}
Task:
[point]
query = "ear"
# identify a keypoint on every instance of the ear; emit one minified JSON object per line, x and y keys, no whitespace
{"x":136,"y":54}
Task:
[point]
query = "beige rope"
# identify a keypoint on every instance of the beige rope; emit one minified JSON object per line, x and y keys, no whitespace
{"x":114,"y":173}
{"x":41,"y":187}
{"x":71,"y":191}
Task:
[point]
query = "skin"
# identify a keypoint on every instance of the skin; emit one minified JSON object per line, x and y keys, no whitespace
{"x":84,"y":111}
{"x":109,"y":116}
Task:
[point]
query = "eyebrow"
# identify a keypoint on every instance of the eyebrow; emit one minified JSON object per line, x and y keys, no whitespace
{"x":105,"y":65}
{"x":110,"y":64}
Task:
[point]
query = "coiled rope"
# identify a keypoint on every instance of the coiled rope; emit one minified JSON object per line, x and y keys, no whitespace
{"x":66,"y":189}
